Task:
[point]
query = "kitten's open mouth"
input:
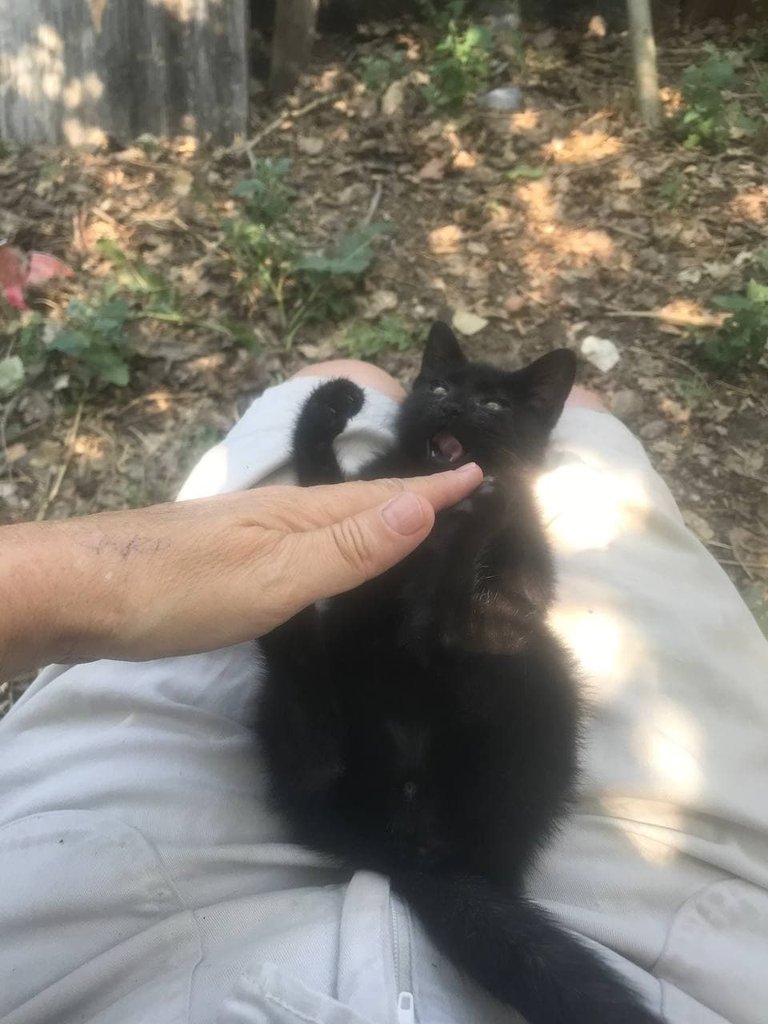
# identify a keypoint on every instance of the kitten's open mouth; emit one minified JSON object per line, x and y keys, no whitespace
{"x":444,"y":447}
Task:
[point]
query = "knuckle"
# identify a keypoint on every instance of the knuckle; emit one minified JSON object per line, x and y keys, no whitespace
{"x":355,"y":546}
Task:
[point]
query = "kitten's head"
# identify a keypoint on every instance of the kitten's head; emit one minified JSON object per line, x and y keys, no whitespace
{"x":459,"y":411}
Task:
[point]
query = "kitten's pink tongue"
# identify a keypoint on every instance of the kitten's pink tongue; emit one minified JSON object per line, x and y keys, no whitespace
{"x":448,"y":446}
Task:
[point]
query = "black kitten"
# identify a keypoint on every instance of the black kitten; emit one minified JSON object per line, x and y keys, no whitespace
{"x":426,"y":725}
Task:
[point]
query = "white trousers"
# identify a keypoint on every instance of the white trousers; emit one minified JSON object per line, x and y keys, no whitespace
{"x":143,"y":880}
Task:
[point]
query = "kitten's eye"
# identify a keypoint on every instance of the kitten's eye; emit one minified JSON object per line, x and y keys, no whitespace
{"x":492,"y":406}
{"x":438,"y":389}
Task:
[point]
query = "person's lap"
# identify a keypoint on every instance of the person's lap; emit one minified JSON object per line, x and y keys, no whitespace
{"x":135,"y":831}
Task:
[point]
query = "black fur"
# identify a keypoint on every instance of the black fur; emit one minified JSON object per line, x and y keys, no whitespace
{"x":426,"y":725}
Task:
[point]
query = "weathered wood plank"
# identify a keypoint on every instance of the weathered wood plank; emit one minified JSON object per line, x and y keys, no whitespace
{"x":75,"y":70}
{"x":295,"y":22}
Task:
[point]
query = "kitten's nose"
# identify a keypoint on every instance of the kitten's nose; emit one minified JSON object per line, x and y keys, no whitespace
{"x":451,"y":408}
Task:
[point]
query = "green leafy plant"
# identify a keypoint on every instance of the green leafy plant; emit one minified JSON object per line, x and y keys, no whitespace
{"x":707,"y":116}
{"x":461,"y":63}
{"x":369,"y":340}
{"x":265,"y":194}
{"x":378,"y":71}
{"x":741,"y":340}
{"x":274,"y":265}
{"x":96,"y":338}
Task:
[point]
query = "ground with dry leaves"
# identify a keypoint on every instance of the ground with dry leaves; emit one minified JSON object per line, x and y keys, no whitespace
{"x":621,"y":235}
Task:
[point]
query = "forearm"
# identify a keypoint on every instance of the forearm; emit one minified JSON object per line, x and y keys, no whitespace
{"x":57,"y":601}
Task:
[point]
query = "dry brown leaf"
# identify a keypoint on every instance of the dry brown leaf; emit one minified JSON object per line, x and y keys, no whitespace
{"x":446,"y":239}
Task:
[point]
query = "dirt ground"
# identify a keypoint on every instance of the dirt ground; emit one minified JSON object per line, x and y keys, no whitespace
{"x":551,"y":224}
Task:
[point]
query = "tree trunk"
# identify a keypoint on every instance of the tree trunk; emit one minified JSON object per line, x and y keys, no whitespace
{"x":295,"y":22}
{"x":77,"y":72}
{"x":644,"y":54}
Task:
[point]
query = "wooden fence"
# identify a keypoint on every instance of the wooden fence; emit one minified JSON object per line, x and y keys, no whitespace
{"x":76,"y":70}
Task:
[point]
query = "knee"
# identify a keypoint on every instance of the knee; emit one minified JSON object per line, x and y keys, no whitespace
{"x":364,"y":374}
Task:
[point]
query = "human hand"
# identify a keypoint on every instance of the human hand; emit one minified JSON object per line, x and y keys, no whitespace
{"x":197,"y":575}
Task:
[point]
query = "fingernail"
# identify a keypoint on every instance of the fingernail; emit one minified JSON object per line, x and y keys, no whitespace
{"x":404,"y":514}
{"x":466,"y":466}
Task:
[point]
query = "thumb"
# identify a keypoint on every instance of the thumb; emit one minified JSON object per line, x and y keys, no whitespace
{"x":349,"y":552}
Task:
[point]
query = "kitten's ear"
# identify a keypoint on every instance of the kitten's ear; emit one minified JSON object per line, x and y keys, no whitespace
{"x":545,"y":384}
{"x":442,"y":351}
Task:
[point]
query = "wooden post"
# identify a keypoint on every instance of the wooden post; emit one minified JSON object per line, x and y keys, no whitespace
{"x":644,"y":55}
{"x":76,"y":71}
{"x":295,"y":22}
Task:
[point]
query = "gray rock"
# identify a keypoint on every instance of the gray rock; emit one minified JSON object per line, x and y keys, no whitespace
{"x":653,"y":430}
{"x":626,"y":405}
{"x":507,"y":98}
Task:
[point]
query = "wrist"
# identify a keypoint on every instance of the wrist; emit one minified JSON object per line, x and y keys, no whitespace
{"x":57,"y":606}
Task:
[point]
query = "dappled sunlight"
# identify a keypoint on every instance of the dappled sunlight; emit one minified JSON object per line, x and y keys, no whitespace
{"x":656,"y":840}
{"x":688,"y":313}
{"x":78,"y":134}
{"x":79,"y":89}
{"x":587,"y":508}
{"x":185,"y":11}
{"x":551,"y":240}
{"x":539,"y":203}
{"x":209,"y":476}
{"x":91,"y":447}
{"x":585,"y":245}
{"x":37,"y":69}
{"x":670,"y":743}
{"x":582,"y":147}
{"x":524,"y":121}
{"x":751,"y":205}
{"x":602,"y":645}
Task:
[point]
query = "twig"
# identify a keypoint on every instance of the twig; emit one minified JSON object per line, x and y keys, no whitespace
{"x":293,"y":115}
{"x":375,"y":200}
{"x":629,"y":233}
{"x":71,"y":438}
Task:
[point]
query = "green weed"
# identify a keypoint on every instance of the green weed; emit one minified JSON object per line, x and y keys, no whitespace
{"x":369,"y":340}
{"x":265,"y":194}
{"x":275,"y":266}
{"x":708,"y":116}
{"x":379,"y":71}
{"x":741,"y":340}
{"x":461,"y":63}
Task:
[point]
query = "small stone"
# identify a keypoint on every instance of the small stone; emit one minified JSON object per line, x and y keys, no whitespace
{"x":653,"y":430}
{"x":601,"y":352}
{"x":393,"y":99}
{"x":626,"y":405}
{"x":507,"y":98}
{"x":310,"y":145}
{"x":468,"y":323}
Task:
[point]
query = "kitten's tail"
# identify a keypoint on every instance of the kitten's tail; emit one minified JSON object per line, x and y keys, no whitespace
{"x":518,"y":952}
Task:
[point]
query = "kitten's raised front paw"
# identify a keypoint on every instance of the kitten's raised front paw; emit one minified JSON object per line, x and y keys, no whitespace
{"x":331,"y":406}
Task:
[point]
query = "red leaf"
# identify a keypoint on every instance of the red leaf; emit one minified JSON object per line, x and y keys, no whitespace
{"x":43,"y":267}
{"x":17,"y":271}
{"x":13,"y":275}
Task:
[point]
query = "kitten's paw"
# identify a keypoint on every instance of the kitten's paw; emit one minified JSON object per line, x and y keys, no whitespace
{"x":331,"y":406}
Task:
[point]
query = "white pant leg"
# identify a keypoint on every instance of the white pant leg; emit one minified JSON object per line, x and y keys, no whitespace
{"x":140,"y":884}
